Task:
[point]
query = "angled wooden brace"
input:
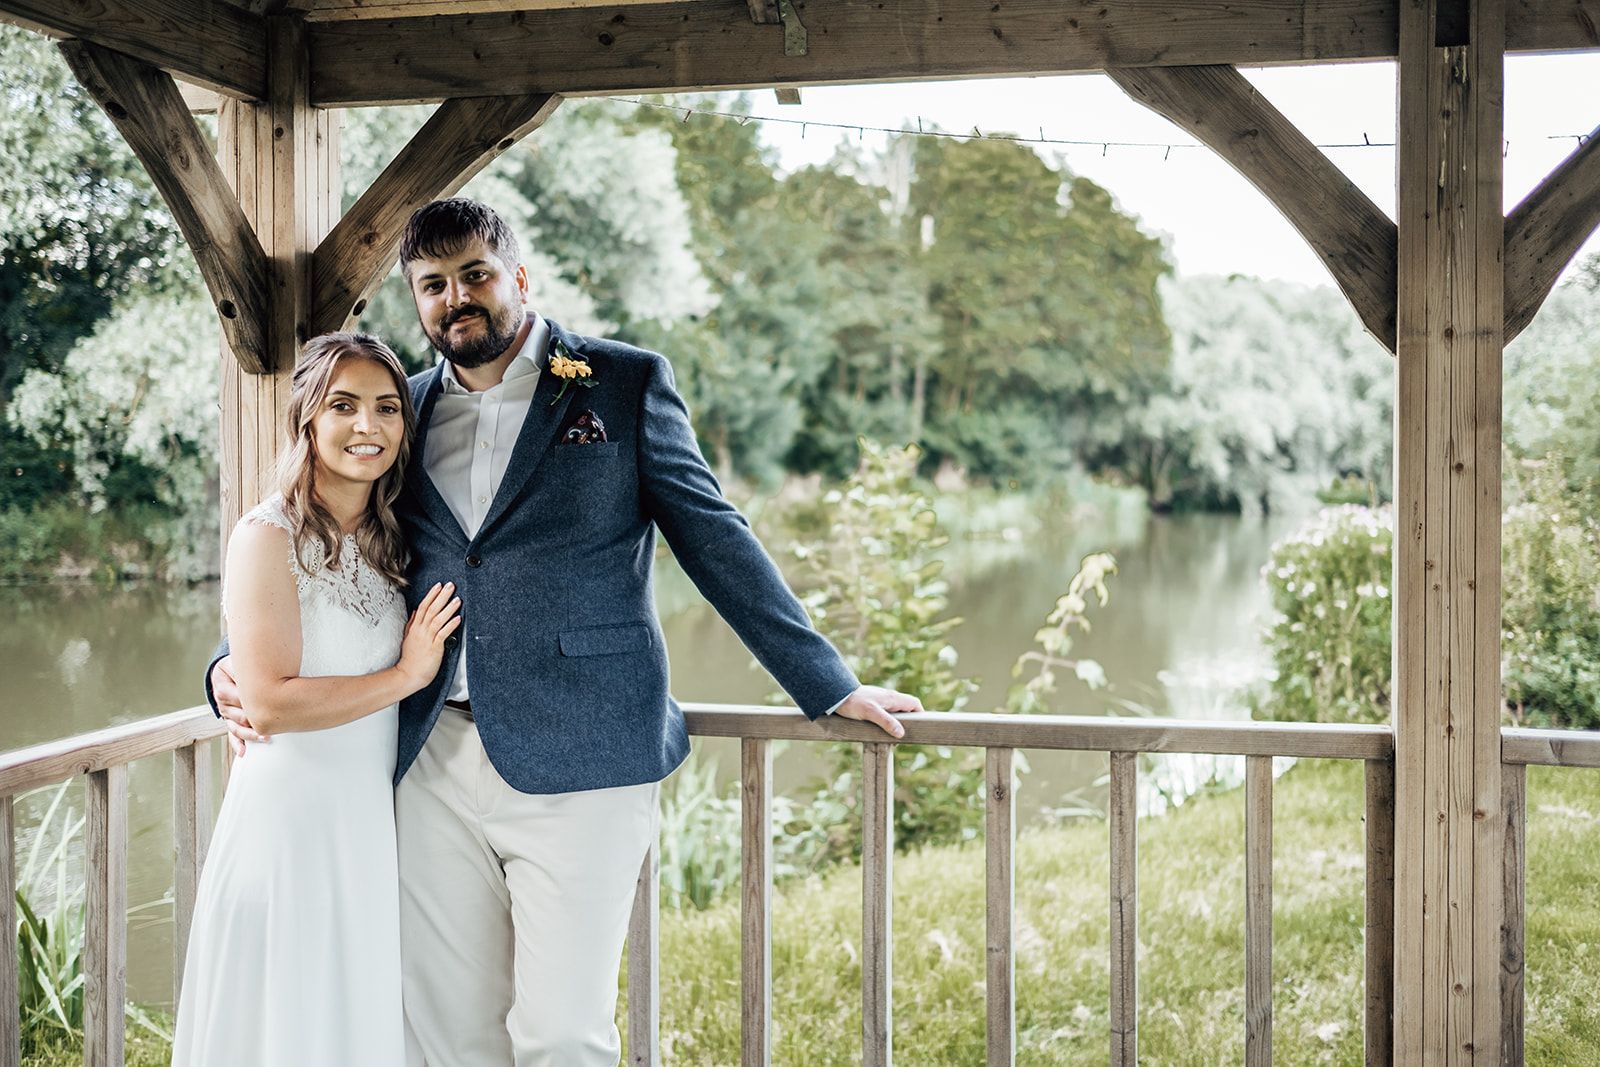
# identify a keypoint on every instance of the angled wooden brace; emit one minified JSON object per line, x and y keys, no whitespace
{"x":150,"y":113}
{"x":1546,"y":230}
{"x":458,"y":140}
{"x":1347,"y":231}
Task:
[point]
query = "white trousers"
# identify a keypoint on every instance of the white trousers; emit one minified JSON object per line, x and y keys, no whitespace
{"x":513,"y":910}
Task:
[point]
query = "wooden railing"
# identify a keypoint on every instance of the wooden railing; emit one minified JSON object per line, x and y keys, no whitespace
{"x":103,"y":757}
{"x":1000,"y":736}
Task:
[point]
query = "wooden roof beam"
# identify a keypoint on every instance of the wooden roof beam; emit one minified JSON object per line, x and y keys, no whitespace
{"x":209,"y":42}
{"x":458,"y":140}
{"x":712,"y":44}
{"x":145,"y":105}
{"x":1354,"y":239}
{"x":1546,"y":230}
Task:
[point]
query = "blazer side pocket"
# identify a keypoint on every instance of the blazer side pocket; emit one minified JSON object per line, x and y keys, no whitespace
{"x":605,"y":640}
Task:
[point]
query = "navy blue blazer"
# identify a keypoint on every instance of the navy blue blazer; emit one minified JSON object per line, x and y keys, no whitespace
{"x":568,"y":671}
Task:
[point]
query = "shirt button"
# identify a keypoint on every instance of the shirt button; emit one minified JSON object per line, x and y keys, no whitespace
{"x":483,"y":444}
{"x":483,"y":500}
{"x":474,"y":561}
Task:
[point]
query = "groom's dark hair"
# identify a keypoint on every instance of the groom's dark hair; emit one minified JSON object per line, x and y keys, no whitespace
{"x":444,"y":226}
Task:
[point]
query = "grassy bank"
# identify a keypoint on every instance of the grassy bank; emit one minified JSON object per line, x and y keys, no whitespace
{"x":1191,"y":955}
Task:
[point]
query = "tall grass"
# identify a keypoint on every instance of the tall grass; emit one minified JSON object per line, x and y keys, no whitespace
{"x":51,"y":909}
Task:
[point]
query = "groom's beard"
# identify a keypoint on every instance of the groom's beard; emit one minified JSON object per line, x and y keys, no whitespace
{"x":497,"y":336}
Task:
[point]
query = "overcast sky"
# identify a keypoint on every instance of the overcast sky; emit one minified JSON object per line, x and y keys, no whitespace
{"x":1215,"y":220}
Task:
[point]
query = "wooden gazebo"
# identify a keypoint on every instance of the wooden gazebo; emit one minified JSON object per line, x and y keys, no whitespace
{"x":1444,"y":288}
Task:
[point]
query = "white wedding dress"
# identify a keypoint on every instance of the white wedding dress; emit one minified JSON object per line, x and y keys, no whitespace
{"x":294,"y":955}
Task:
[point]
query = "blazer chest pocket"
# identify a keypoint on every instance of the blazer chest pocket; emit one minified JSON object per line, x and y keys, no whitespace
{"x":605,"y":640}
{"x":600,"y":450}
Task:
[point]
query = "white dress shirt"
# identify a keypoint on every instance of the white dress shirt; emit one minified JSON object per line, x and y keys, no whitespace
{"x":470,"y":439}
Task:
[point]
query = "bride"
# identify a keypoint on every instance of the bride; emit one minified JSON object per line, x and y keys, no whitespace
{"x":294,"y":955}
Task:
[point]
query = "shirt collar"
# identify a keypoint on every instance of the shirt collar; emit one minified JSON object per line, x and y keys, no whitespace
{"x":528,"y":360}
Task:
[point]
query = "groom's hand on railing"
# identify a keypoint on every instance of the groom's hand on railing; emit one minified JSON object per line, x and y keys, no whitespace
{"x":230,"y":706}
{"x":875,"y":704}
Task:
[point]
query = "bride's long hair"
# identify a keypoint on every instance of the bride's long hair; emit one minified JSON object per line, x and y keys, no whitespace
{"x":378,"y":536}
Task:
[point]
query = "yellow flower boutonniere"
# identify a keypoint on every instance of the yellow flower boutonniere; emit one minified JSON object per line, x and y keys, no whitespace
{"x":570,"y":369}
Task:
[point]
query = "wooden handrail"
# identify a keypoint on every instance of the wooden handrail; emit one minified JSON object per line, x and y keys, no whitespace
{"x":58,"y":761}
{"x":1313,"y":740}
{"x":1550,"y":748}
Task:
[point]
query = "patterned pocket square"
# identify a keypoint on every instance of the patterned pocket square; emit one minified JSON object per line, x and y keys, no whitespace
{"x":586,"y":429}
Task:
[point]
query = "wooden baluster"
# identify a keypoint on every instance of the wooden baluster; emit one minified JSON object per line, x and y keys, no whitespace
{"x":10,"y":993}
{"x":1380,"y":913}
{"x":877,"y":849}
{"x":755,"y":907}
{"x":1514,"y":809}
{"x":1123,"y":805}
{"x":644,"y":979}
{"x":1000,"y":806}
{"x":1258,"y":911}
{"x":192,"y":821}
{"x":105,"y":940}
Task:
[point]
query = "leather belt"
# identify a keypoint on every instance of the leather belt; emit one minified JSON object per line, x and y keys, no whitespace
{"x":462,"y":706}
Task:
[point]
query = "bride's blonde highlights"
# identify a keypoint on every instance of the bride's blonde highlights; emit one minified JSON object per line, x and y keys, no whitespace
{"x":378,"y":536}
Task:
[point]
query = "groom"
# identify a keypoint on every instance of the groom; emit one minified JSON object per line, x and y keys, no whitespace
{"x":528,"y":772}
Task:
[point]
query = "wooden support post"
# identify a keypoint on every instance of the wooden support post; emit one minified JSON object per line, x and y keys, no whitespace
{"x":755,"y":902}
{"x":644,"y":972}
{"x":459,"y":139}
{"x":877,"y":923}
{"x":145,"y":105}
{"x":281,"y":158}
{"x":1513,"y":934}
{"x":191,"y":833}
{"x":1000,"y":835}
{"x":1378,"y":1047}
{"x":1124,"y":831}
{"x":105,"y":935}
{"x":1258,"y":911}
{"x":1449,"y":829}
{"x":10,"y":996}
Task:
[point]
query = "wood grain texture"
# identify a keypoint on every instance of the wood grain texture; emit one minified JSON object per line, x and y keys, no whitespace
{"x":877,"y":912}
{"x":1258,"y":911}
{"x":192,"y":822}
{"x":1350,"y":234}
{"x":1089,"y":733}
{"x":459,"y":139}
{"x":144,"y":103}
{"x":209,"y":42}
{"x":1551,"y":748}
{"x":348,"y":10}
{"x":1450,"y":326}
{"x":1378,"y":935}
{"x":999,"y":840}
{"x":755,"y":903}
{"x":1546,"y":230}
{"x":56,"y":761}
{"x":10,"y":997}
{"x":1513,"y":948}
{"x":105,"y":935}
{"x":644,"y":964}
{"x":712,"y":44}
{"x":1123,"y":807}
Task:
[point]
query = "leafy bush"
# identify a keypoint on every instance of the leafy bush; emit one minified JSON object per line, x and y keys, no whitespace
{"x":1551,"y":589}
{"x":1329,"y":584}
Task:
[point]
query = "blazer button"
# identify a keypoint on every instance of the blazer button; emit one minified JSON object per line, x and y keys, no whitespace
{"x":452,"y":641}
{"x":474,"y":561}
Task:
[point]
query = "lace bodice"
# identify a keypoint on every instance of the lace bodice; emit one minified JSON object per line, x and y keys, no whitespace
{"x":352,"y":618}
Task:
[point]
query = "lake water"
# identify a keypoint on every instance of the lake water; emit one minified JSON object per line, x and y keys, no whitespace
{"x":1178,"y":638}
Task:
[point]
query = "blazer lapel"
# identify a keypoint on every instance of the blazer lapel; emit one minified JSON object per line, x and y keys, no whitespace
{"x":545,"y":417}
{"x":430,"y":501}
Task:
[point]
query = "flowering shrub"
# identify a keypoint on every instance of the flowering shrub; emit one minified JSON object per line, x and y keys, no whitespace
{"x":1551,"y":589}
{"x":1329,"y":583}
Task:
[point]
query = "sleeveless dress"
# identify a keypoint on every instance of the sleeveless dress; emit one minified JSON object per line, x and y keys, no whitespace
{"x":294,"y":955}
